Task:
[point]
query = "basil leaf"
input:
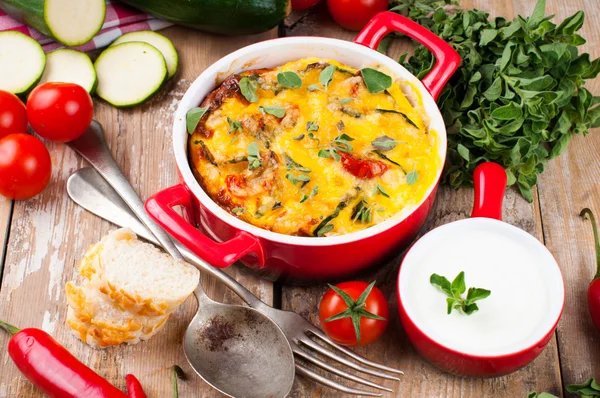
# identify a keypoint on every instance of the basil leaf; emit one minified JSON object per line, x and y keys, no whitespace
{"x":411,"y":178}
{"x":313,"y":87}
{"x":475,"y":294}
{"x":375,"y":80}
{"x":326,"y":76}
{"x":274,"y":110}
{"x":289,"y":79}
{"x":442,"y":283}
{"x":248,"y":89}
{"x":192,"y":118}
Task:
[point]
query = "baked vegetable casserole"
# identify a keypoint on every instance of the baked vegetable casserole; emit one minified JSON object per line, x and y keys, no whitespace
{"x":313,"y":147}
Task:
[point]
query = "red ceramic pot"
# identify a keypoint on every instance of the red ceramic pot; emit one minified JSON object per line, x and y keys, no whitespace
{"x":227,"y":239}
{"x":517,"y":320}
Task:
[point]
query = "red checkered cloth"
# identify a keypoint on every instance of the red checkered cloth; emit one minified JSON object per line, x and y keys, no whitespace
{"x":119,"y":19}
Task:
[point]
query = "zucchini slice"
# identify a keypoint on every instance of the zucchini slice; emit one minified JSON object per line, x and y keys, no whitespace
{"x":22,"y":62}
{"x":130,"y":73}
{"x":70,"y":66}
{"x":72,"y":23}
{"x":162,"y":44}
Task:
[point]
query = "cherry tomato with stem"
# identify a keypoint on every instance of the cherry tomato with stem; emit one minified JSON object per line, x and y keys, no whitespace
{"x":354,"y":14}
{"x":298,"y":5}
{"x":25,"y":166}
{"x":13,"y":115}
{"x":593,"y":294}
{"x":354,"y":313}
{"x":60,"y":111}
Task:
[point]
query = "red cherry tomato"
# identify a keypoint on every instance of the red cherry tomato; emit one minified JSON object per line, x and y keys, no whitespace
{"x":13,"y":116}
{"x":303,"y":4}
{"x":25,"y":166}
{"x":60,"y":111}
{"x":362,"y":168}
{"x":342,"y":331}
{"x":354,"y":14}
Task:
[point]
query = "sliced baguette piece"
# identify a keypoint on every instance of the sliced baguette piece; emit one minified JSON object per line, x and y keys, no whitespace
{"x":22,"y":62}
{"x":162,"y":44}
{"x":130,"y":73}
{"x":97,"y":321}
{"x":70,"y":66}
{"x":137,"y":276}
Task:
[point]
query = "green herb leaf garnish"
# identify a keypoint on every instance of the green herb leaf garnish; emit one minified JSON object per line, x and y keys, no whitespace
{"x":274,"y":110}
{"x":254,"y":160}
{"x":193,"y":117}
{"x":298,"y":137}
{"x":312,"y":194}
{"x":312,"y":126}
{"x":379,"y":189}
{"x":302,"y":178}
{"x":375,"y":80}
{"x":313,"y":87}
{"x":248,"y":88}
{"x":326,"y":76}
{"x":234,"y":126}
{"x":345,"y":100}
{"x":384,"y":143}
{"x":341,"y":143}
{"x":289,"y":79}
{"x":412,"y":177}
{"x":238,"y":210}
{"x":455,"y":290}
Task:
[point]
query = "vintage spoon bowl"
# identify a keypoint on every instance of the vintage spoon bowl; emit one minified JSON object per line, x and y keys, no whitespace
{"x":237,"y":350}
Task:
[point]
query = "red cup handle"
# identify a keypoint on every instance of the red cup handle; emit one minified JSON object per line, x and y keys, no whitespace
{"x":160,"y":207}
{"x":490,"y":184}
{"x":447,"y":59}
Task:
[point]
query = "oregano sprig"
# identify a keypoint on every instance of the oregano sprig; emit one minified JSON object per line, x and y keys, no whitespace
{"x":455,"y":290}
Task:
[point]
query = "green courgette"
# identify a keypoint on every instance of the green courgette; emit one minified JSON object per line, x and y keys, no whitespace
{"x":22,"y":62}
{"x":228,"y":17}
{"x":72,"y":23}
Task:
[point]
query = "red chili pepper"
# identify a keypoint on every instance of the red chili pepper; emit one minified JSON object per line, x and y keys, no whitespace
{"x":134,"y":388}
{"x":53,"y":369}
{"x":362,"y":168}
{"x":593,"y":295}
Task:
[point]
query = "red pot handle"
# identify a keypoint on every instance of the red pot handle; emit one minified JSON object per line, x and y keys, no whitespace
{"x":160,"y":207}
{"x":386,"y":22}
{"x":489,"y":180}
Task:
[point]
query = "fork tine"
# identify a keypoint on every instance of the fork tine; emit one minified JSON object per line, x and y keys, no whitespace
{"x":339,"y":372}
{"x":308,"y":342}
{"x":352,"y":354}
{"x":301,"y":370}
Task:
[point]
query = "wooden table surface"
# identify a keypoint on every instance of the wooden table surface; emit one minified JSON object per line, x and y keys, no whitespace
{"x":42,"y":239}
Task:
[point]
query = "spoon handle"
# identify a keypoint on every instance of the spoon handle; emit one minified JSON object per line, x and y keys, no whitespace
{"x":88,"y":189}
{"x":92,"y":147}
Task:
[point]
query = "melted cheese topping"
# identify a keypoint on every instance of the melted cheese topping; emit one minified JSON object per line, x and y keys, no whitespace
{"x":294,"y":190}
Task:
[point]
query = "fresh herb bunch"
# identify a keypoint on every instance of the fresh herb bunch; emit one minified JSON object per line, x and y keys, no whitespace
{"x":589,"y":389}
{"x":518,"y":97}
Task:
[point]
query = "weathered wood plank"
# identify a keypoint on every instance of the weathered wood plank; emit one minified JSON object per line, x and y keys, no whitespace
{"x":50,"y":233}
{"x":570,"y":183}
{"x":394,"y":349}
{"x":5,"y":216}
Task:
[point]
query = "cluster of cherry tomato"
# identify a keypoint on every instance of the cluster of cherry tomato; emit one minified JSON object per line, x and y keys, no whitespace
{"x":350,"y":14}
{"x":57,"y":112}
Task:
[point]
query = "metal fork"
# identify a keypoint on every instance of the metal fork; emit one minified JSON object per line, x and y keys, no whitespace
{"x":88,"y":189}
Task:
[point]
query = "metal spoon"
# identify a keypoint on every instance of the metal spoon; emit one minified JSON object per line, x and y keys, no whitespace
{"x":237,"y":350}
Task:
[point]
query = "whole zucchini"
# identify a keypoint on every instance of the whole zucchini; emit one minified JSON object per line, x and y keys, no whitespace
{"x":72,"y":23}
{"x":228,"y":17}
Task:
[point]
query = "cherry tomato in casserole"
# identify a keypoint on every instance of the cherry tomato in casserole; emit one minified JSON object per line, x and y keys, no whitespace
{"x":350,"y":300}
{"x":60,"y":111}
{"x":354,"y":14}
{"x":13,"y":116}
{"x":25,"y":166}
{"x":362,"y":168}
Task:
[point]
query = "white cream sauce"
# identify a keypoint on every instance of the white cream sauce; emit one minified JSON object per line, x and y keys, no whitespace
{"x":516,"y":313}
